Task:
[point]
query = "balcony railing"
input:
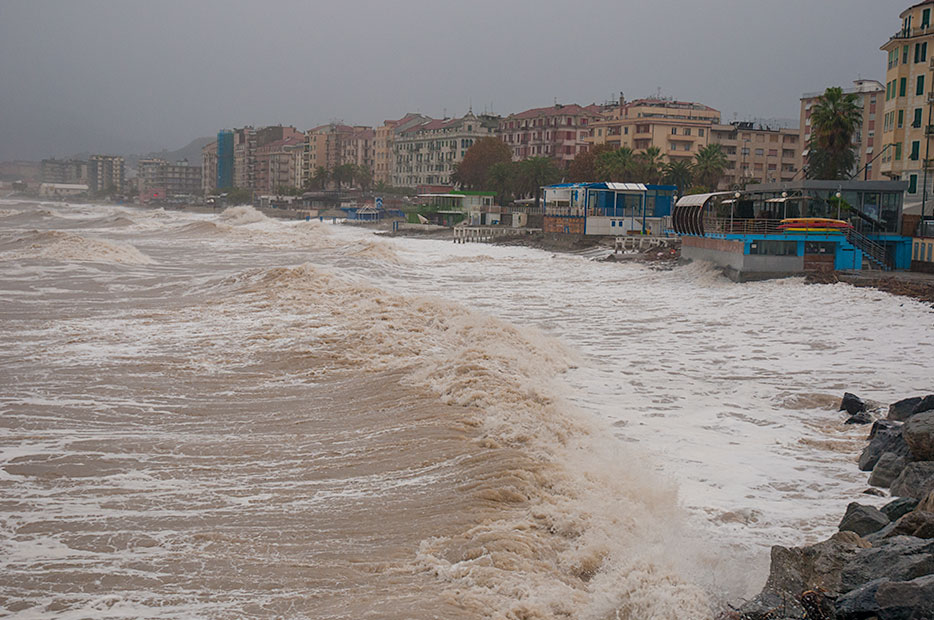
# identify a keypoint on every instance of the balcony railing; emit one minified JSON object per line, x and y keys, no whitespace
{"x":726,"y":226}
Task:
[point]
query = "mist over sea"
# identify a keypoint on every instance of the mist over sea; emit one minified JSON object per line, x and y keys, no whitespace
{"x":225,"y":415}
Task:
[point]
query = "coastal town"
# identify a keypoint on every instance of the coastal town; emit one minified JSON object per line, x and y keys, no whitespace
{"x":760,"y":200}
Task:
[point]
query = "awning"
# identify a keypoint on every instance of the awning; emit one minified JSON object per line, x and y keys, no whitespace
{"x":626,"y":187}
{"x":697,"y":200}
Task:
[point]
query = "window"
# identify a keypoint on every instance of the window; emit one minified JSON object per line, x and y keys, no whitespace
{"x":920,"y":89}
{"x":687,"y":131}
{"x":926,"y":18}
{"x":913,"y":184}
{"x":674,"y":131}
{"x":921,"y":52}
{"x":626,"y":130}
{"x":760,"y":152}
{"x":917,"y":120}
{"x":774,"y":248}
{"x":700,"y":132}
{"x":902,"y":86}
{"x":915,"y":150}
{"x":898,"y":151}
{"x":905,"y":55}
{"x":901,"y":119}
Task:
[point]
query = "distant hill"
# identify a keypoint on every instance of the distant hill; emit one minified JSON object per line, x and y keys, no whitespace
{"x":191,"y":152}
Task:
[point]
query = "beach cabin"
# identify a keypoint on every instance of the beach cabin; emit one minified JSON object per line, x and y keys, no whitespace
{"x":773,"y":230}
{"x":478,"y":208}
{"x":610,"y":209}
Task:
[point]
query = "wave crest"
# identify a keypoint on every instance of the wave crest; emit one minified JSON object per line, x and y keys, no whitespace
{"x":64,"y":246}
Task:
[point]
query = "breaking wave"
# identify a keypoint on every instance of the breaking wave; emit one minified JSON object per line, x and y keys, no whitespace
{"x":65,"y":246}
{"x":575,"y":525}
{"x":242,"y":215}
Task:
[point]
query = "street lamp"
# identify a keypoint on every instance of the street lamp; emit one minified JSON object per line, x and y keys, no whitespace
{"x":736,"y":196}
{"x":838,"y":195}
{"x":784,"y":204}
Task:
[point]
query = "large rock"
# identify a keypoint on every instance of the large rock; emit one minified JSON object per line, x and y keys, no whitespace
{"x":863,"y":519}
{"x":926,"y":404}
{"x":903,"y":409}
{"x":886,"y":599}
{"x":919,"y":435}
{"x":887,"y":470}
{"x":916,"y":480}
{"x":900,"y":558}
{"x":863,"y":417}
{"x":796,"y":570}
{"x":884,"y":437}
{"x":898,"y":507}
{"x":852,"y":404}
{"x":926,"y":504}
{"x":917,"y":523}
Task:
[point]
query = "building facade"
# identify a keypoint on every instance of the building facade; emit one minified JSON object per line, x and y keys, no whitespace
{"x":62,"y":171}
{"x":757,"y":154}
{"x":559,"y":131}
{"x":225,"y":160}
{"x":279,"y":164}
{"x":335,"y":144}
{"x":384,"y":139}
{"x":209,"y":168}
{"x":908,"y":100}
{"x":869,"y":94}
{"x":159,"y":180}
{"x":427,"y":154}
{"x":106,"y":173}
{"x":679,"y":129}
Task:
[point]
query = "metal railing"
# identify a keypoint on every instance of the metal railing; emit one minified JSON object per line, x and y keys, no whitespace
{"x":870,"y":249}
{"x":726,"y":226}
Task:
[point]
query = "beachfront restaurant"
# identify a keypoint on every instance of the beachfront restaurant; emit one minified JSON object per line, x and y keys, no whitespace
{"x":610,"y":209}
{"x":779,"y":229}
{"x":478,"y":208}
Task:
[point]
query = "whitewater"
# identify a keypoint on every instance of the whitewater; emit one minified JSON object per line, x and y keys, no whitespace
{"x":226,"y":415}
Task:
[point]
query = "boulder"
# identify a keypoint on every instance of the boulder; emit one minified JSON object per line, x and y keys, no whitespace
{"x":886,"y":599}
{"x":903,"y":409}
{"x":917,"y":523}
{"x":884,"y":437}
{"x":916,"y":480}
{"x":926,"y":504}
{"x":898,"y":507}
{"x":796,"y":570}
{"x":852,"y":404}
{"x":918,"y":432}
{"x":887,"y":470}
{"x":863,"y":519}
{"x":900,"y":558}
{"x":863,"y":417}
{"x":926,"y":404}
{"x":876,"y":492}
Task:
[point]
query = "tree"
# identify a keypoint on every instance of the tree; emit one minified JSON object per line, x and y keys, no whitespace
{"x":709,"y":164}
{"x":344,"y":173}
{"x":238,"y":196}
{"x":582,"y":167}
{"x":617,"y":166}
{"x":471,"y":172}
{"x":649,"y":165}
{"x":501,"y":178}
{"x":536,"y":172}
{"x":835,"y":118}
{"x":319,"y":179}
{"x":678,"y":173}
{"x":364,"y":177}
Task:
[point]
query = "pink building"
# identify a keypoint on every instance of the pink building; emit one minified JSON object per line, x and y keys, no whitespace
{"x":558,"y":131}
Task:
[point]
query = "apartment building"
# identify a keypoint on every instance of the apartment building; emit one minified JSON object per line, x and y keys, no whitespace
{"x":247,"y":172}
{"x":279,"y":163}
{"x":869,"y":94}
{"x":427,"y":154}
{"x":335,"y":144}
{"x":63,"y":171}
{"x":159,"y":180}
{"x":678,"y":128}
{"x":384,"y":139}
{"x":209,"y":168}
{"x":757,"y":154}
{"x":559,"y":131}
{"x":909,"y":95}
{"x":106,"y":173}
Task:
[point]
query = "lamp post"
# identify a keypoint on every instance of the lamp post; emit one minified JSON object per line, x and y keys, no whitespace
{"x":784,"y":204}
{"x":736,"y":196}
{"x":839,"y":194}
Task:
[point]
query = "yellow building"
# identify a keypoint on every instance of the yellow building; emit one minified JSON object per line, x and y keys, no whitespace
{"x":678,"y":128}
{"x":757,"y":154}
{"x":908,"y":98}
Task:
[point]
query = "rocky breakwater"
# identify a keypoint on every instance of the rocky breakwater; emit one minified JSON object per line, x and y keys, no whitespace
{"x":881,"y":563}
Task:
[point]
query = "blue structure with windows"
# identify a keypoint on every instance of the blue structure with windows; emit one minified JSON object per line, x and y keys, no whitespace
{"x":225,"y":159}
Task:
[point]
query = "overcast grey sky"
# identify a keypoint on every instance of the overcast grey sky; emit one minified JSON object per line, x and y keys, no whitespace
{"x":133,"y":76}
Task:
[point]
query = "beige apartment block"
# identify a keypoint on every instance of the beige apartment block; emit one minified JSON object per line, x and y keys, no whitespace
{"x":678,"y":128}
{"x":757,"y":154}
{"x":909,"y":95}
{"x":159,"y":180}
{"x":427,"y":154}
{"x":106,"y":173}
{"x":209,"y":168}
{"x":383,"y":141}
{"x":335,"y":144}
{"x":869,"y":94}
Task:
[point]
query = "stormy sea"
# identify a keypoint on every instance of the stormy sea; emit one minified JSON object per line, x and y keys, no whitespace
{"x":222,"y":415}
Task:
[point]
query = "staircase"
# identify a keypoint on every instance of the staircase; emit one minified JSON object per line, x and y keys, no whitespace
{"x":873,"y":253}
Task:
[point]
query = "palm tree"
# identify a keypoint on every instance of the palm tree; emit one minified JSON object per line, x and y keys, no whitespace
{"x":364,"y":177}
{"x":834,"y":120}
{"x":344,"y":173}
{"x":709,"y":164}
{"x":536,"y":172}
{"x":679,"y":173}
{"x":501,"y":177}
{"x":649,"y":165}
{"x":319,"y":179}
{"x":618,"y":165}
